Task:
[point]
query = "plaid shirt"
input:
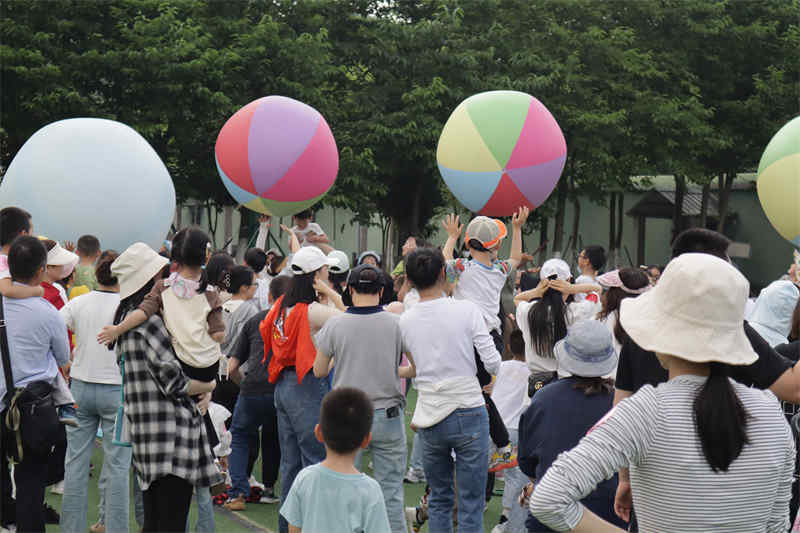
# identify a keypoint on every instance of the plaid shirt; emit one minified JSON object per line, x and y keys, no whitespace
{"x":166,"y":429}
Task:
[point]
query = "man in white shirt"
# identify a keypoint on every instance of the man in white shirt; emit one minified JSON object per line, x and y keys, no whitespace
{"x":590,"y":261}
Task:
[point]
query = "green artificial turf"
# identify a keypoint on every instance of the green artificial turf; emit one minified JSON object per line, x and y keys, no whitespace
{"x":263,"y":517}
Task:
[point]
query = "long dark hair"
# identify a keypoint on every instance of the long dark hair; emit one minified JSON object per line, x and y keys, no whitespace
{"x":301,"y":291}
{"x":189,"y":248}
{"x":720,"y":419}
{"x":632,"y":278}
{"x":547,"y":322}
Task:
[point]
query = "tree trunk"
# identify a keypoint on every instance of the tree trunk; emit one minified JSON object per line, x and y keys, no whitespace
{"x":612,"y":230}
{"x":228,"y":227}
{"x":576,"y":220}
{"x":620,"y":214}
{"x":178,"y":217}
{"x":724,"y":195}
{"x":543,"y":240}
{"x":704,"y":205}
{"x":561,"y":204}
{"x":677,"y":214}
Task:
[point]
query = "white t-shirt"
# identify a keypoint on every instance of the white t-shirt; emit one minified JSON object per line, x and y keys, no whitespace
{"x":86,"y":316}
{"x":535,"y":362}
{"x":311,"y":227}
{"x":262,"y":293}
{"x":510,"y":393}
{"x":411,"y":299}
{"x":481,"y":285}
{"x":441,"y":336}
{"x":583,"y":278}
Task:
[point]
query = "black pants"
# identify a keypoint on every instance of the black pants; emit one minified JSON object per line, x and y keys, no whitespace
{"x":8,"y":513}
{"x":270,"y":451}
{"x":497,"y":429}
{"x":166,"y":505}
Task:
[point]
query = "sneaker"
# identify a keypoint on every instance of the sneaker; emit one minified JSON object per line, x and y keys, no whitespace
{"x":413,"y":520}
{"x":503,"y":458}
{"x":499,"y":528}
{"x":269,"y":496}
{"x":67,"y":415}
{"x":51,"y":516}
{"x":236,"y":504}
{"x":98,"y":528}
{"x":254,"y":483}
{"x":414,"y":476}
{"x":58,"y":488}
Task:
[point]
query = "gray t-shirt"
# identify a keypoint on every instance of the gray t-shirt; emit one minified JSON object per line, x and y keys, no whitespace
{"x":249,"y":350}
{"x":367,"y":346}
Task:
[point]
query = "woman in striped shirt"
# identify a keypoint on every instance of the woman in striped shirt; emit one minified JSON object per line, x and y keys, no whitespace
{"x":705,"y":453}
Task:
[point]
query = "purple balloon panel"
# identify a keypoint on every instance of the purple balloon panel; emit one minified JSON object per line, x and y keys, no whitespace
{"x":313,"y":173}
{"x":280,"y":131}
{"x":538,"y":181}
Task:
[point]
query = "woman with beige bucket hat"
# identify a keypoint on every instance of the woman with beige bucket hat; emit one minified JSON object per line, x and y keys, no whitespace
{"x":705,"y":453}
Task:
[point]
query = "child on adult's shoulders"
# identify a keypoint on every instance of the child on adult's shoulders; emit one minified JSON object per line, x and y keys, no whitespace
{"x":310,"y":233}
{"x":333,"y":496}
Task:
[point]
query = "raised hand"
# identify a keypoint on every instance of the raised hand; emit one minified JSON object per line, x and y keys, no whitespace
{"x":452,"y":226}
{"x":519,"y":218}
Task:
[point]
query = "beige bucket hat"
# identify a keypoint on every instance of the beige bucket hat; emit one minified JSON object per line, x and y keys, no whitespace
{"x":695,"y":312}
{"x":135,"y":267}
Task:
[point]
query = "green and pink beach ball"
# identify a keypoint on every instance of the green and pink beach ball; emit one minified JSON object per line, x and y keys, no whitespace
{"x":499,"y":151}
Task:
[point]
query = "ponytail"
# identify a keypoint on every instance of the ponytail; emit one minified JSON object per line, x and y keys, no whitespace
{"x":547,"y":322}
{"x":720,"y":419}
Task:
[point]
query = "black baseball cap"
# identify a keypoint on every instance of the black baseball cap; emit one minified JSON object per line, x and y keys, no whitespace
{"x":365,"y":279}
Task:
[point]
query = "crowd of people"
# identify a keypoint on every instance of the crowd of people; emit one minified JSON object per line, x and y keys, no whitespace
{"x":639,"y":399}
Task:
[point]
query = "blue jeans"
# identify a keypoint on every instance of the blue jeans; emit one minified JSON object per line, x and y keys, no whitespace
{"x":298,"y":412}
{"x":389,"y":452}
{"x":97,"y":404}
{"x":416,"y":454}
{"x":250,"y":413}
{"x":515,"y":481}
{"x":466,"y":432}
{"x":205,"y":511}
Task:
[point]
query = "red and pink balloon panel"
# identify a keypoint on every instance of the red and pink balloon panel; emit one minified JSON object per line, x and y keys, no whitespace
{"x":277,"y":156}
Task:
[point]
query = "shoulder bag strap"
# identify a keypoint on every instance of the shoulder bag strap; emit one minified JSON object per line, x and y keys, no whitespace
{"x":6,"y":353}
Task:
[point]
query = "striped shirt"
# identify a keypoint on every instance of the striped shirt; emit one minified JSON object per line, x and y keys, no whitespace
{"x":674,"y":488}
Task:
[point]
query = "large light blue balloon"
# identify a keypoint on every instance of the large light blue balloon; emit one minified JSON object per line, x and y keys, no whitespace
{"x":92,"y":176}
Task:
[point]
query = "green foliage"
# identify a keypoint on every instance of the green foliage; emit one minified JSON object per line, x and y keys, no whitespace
{"x":691,"y":87}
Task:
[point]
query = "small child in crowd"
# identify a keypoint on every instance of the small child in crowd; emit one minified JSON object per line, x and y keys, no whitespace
{"x":88,"y":251}
{"x":333,"y":496}
{"x":510,"y":395}
{"x":310,"y":233}
{"x":14,"y":222}
{"x":256,"y":259}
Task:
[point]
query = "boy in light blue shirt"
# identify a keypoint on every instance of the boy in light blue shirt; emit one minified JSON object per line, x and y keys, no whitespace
{"x":332,"y":496}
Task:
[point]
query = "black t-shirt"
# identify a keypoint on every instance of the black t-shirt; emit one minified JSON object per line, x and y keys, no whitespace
{"x":638,"y":367}
{"x":249,"y":350}
{"x":790,"y":350}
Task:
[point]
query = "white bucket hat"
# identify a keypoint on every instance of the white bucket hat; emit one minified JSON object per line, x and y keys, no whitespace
{"x":587,"y":351}
{"x":135,"y":267}
{"x":695,"y":312}
{"x":310,"y":259}
{"x":62,"y":257}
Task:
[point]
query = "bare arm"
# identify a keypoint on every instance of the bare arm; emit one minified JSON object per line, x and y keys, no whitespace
{"x":787,"y":386}
{"x":322,"y":365}
{"x":453,"y":228}
{"x":538,"y":292}
{"x":199,"y":387}
{"x":591,"y":523}
{"x":294,"y":243}
{"x":294,"y":529}
{"x":9,"y":290}
{"x":331,"y":293}
{"x":409,"y":371}
{"x":233,"y":370}
{"x":111,"y":333}
{"x":517,"y":221}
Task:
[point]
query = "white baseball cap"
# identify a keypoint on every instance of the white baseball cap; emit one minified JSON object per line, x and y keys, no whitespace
{"x":310,"y":259}
{"x":555,"y":267}
{"x":342,"y":262}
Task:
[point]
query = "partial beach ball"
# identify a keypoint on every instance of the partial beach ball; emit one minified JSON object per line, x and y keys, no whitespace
{"x":92,"y":176}
{"x":277,"y":156}
{"x":779,"y":181}
{"x":501,"y":150}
